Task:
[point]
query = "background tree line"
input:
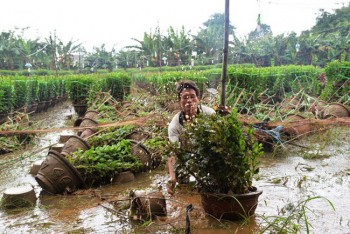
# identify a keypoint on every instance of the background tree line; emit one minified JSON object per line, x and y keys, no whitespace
{"x":326,"y":41}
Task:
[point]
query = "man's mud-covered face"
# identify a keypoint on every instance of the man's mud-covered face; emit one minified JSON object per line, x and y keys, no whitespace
{"x":189,"y":102}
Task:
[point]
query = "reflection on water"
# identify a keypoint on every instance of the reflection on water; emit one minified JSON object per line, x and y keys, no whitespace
{"x":286,"y":179}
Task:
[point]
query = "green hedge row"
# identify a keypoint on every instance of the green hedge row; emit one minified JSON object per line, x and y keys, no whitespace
{"x":19,"y":91}
{"x":337,"y":87}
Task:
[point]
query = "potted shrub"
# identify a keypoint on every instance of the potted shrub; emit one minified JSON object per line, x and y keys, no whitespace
{"x":223,"y":156}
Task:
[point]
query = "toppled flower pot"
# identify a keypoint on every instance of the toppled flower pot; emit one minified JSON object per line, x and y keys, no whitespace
{"x":80,"y":109}
{"x":87,"y":132}
{"x":57,"y":176}
{"x":142,"y":153}
{"x":146,"y":206}
{"x":57,"y":147}
{"x":335,"y":110}
{"x":87,"y":123}
{"x":35,"y":167}
{"x":123,"y":177}
{"x":73,"y":144}
{"x":92,"y":114}
{"x":21,"y":196}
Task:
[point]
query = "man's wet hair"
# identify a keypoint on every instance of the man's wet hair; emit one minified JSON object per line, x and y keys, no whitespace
{"x":186,"y":84}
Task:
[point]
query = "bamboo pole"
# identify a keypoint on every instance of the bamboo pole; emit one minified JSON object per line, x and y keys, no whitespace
{"x":225,"y":53}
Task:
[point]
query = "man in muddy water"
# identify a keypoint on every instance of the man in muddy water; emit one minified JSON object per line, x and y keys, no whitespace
{"x":189,"y":97}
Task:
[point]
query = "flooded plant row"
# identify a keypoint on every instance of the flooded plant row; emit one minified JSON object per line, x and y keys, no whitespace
{"x":305,"y":184}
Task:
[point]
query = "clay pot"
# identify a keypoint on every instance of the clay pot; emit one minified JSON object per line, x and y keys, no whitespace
{"x":80,"y":109}
{"x":73,"y":144}
{"x":92,"y":114}
{"x":35,"y":167}
{"x":145,"y":206}
{"x":64,"y":138}
{"x":235,"y":207}
{"x":317,"y":108}
{"x":335,"y":110}
{"x":41,"y":106}
{"x":57,"y":147}
{"x":21,"y":196}
{"x":293,"y":118}
{"x":77,"y":122}
{"x":57,"y":176}
{"x":86,"y":122}
{"x":47,"y":105}
{"x":123,"y":177}
{"x":142,"y":153}
{"x":138,"y":136}
{"x":87,"y":132}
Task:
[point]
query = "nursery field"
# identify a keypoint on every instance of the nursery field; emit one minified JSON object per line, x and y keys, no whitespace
{"x":120,"y":123}
{"x":294,"y":181}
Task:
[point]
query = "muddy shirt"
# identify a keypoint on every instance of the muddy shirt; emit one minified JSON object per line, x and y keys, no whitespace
{"x":175,"y":127}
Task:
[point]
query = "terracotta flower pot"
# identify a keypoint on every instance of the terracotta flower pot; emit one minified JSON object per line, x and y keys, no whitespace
{"x":147,"y":205}
{"x":293,"y":118}
{"x":87,"y":132}
{"x":21,"y":196}
{"x":123,"y":177}
{"x":57,"y":176}
{"x":335,"y":110}
{"x":92,"y":114}
{"x":85,"y":123}
{"x":138,"y":136}
{"x":235,"y":207}
{"x":140,"y":151}
{"x":73,"y":144}
{"x":35,"y":167}
{"x":80,"y":109}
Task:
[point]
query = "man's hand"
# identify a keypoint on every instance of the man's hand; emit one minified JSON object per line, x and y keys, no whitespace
{"x":171,"y":186}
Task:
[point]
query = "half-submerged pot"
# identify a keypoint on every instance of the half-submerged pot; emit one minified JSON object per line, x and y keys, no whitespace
{"x":123,"y":177}
{"x":21,"y":196}
{"x":234,"y":207}
{"x":146,"y":206}
{"x":58,"y":176}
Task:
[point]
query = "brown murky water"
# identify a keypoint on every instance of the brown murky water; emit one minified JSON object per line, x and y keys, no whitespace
{"x":286,"y":178}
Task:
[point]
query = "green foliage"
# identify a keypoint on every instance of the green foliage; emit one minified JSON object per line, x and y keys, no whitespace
{"x":78,"y":87}
{"x":292,"y":218}
{"x":338,"y":81}
{"x":21,"y":92}
{"x":117,"y":84}
{"x":43,"y":94}
{"x":220,"y":153}
{"x":103,"y":162}
{"x":6,"y":97}
{"x":32,"y":97}
{"x":111,"y":137}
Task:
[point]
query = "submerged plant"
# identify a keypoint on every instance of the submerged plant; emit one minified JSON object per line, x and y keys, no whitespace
{"x":294,"y":218}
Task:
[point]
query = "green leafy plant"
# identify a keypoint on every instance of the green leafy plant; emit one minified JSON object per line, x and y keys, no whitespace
{"x":111,"y":136}
{"x":220,"y":153}
{"x":293,"y":218}
{"x":103,"y":162}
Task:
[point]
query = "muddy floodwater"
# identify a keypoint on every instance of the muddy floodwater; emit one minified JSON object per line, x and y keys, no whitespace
{"x":315,"y":169}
